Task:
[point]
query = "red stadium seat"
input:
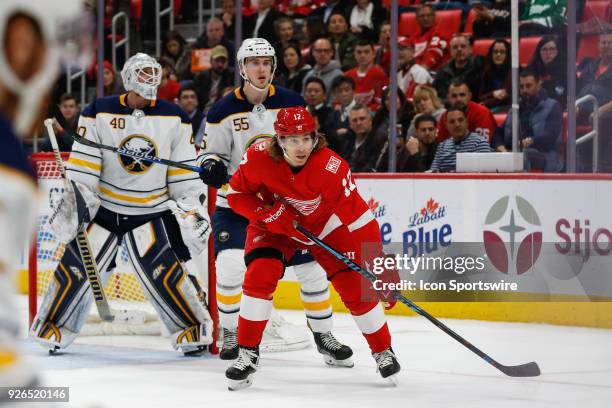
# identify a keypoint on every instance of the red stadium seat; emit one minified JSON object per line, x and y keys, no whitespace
{"x":601,"y":9}
{"x":136,"y":9}
{"x":481,"y":46}
{"x":527,"y":47}
{"x":177,"y":7}
{"x":469,"y":22}
{"x":449,"y":20}
{"x":500,"y":118}
{"x":401,"y":3}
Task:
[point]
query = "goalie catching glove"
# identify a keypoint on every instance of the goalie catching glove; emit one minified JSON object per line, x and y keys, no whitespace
{"x":77,"y":207}
{"x":194,"y":222}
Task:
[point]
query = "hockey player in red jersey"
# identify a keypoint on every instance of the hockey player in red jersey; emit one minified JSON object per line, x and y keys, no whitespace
{"x":293,"y":178}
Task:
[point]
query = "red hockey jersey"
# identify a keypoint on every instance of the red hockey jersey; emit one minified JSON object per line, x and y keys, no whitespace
{"x":368,"y":88}
{"x":480,"y":120}
{"x":430,"y":48}
{"x":323,"y":192}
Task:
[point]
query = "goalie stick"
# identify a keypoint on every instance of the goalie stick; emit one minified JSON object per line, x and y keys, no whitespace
{"x":87,"y":257}
{"x":523,"y":370}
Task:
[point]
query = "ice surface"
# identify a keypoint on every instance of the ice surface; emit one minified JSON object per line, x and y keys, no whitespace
{"x":129,"y":371}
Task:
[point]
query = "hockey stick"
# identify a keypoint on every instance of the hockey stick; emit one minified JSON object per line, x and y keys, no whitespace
{"x":121,"y":150}
{"x":523,"y":370}
{"x":87,"y":257}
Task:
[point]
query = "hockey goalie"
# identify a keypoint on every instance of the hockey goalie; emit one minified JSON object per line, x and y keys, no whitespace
{"x":155,"y":209}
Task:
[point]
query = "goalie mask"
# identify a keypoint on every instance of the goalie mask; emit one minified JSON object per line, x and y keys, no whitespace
{"x":251,"y":48}
{"x":142,"y":74}
{"x":63,"y":36}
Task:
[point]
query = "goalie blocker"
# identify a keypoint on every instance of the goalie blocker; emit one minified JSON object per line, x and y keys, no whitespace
{"x":157,"y":252}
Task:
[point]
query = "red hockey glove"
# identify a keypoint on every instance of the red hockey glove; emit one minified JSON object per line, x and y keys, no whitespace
{"x":386,"y":277}
{"x":280,"y":219}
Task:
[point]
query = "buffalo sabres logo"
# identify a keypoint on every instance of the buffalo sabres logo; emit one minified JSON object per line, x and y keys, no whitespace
{"x":142,"y":145}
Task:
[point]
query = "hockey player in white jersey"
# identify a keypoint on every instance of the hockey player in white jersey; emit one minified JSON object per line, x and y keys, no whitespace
{"x":128,"y":198}
{"x":30,"y":34}
{"x":234,"y":123}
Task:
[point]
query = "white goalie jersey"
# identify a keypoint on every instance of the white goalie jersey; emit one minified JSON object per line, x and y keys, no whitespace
{"x":129,"y":185}
{"x":233,"y":125}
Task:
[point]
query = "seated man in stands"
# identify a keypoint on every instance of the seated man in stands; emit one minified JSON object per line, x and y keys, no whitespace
{"x":363,"y":149}
{"x":479,"y":117}
{"x":540,"y":127}
{"x":69,"y":108}
{"x":431,"y":50}
{"x":462,"y":141}
{"x":463,"y":66}
{"x":595,"y":77}
{"x":369,"y":78}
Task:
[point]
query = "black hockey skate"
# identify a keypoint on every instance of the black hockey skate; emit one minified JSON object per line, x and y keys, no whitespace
{"x":240,"y":374}
{"x":334,"y":353}
{"x":229,"y":350}
{"x":387,"y":365}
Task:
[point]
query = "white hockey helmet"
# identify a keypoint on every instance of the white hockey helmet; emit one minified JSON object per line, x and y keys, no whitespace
{"x":255,"y":47}
{"x":142,"y":74}
{"x":66,"y":31}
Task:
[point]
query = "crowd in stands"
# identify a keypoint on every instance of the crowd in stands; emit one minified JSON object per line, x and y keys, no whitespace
{"x":453,"y":71}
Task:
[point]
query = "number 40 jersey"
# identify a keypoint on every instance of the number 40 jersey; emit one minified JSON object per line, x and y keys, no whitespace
{"x":233,"y":125}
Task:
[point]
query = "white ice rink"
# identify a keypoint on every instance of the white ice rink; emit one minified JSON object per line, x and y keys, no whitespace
{"x":437,"y":371}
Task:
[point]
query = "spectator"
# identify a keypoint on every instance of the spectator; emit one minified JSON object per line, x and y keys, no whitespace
{"x":313,"y":29}
{"x":291,"y":68}
{"x":337,"y":127}
{"x":543,"y":17}
{"x":188,"y":101}
{"x":480,"y":120}
{"x":169,"y":88}
{"x":405,"y":113}
{"x":285,"y":31}
{"x":342,"y":39}
{"x":363,"y":149}
{"x":417,"y":153}
{"x":496,"y":82}
{"x":431,"y":48}
{"x":410,"y":74}
{"x":595,"y":76}
{"x":605,"y":150}
{"x":177,"y":53}
{"x":314,"y":95}
{"x":550,"y":65}
{"x":369,"y":78}
{"x":261,"y":23}
{"x":365,"y":18}
{"x":69,"y":108}
{"x":215,"y":35}
{"x":326,"y":68}
{"x":325,"y":12}
{"x":426,"y":101}
{"x":112,"y":83}
{"x":461,"y":140}
{"x":492,"y":21}
{"x":540,"y":127}
{"x":383,"y":53}
{"x":227,"y":17}
{"x":462,"y":66}
{"x":209,"y":84}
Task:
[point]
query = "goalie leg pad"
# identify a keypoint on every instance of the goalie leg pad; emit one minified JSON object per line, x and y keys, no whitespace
{"x":68,"y":299}
{"x":230,"y":269}
{"x":167,"y":285}
{"x":314,"y":291}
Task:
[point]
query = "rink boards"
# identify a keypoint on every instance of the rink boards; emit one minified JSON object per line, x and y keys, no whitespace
{"x":555,"y":229}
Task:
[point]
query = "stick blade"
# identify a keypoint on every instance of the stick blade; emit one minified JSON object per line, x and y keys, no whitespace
{"x":524,"y":370}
